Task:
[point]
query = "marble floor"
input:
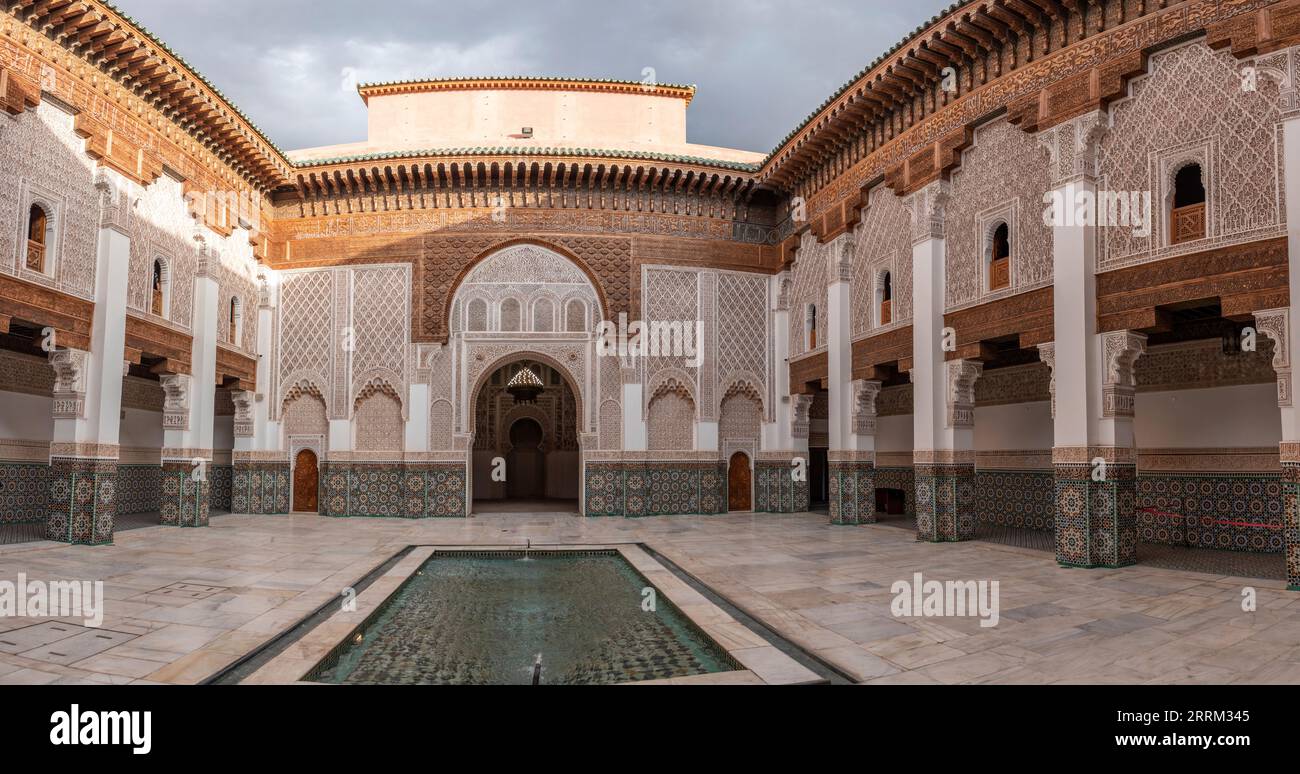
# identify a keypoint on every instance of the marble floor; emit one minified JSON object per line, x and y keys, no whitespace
{"x":184,"y":604}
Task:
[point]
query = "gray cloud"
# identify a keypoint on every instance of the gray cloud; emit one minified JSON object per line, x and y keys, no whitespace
{"x":761,"y":66}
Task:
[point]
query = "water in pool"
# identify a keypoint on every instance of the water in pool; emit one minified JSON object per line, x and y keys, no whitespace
{"x":484,"y":619}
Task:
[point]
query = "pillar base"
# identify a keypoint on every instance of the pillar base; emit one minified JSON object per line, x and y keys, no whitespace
{"x":260,"y":487}
{"x":186,"y":501}
{"x":83,"y":498}
{"x":1291,"y":521}
{"x":945,"y":502}
{"x":1096,"y":521}
{"x":852,"y":491}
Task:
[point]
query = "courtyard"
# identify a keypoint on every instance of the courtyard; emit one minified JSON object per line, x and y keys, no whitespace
{"x":184,"y":605}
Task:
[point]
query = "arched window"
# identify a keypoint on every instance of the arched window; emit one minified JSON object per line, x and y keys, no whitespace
{"x":477,"y":316}
{"x":511,"y":315}
{"x":1187,"y":216}
{"x":161,"y":282}
{"x":39,"y":238}
{"x":886,"y":299}
{"x":1000,"y":258}
{"x":810,"y":325}
{"x":576,"y":315}
{"x":235,"y":329}
{"x":543,"y":315}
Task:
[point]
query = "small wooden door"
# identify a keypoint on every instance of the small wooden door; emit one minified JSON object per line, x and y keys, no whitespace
{"x":305,"y":482}
{"x":738,"y":483}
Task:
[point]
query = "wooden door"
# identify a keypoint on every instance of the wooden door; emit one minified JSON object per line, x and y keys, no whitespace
{"x":738,"y":483}
{"x":305,"y":482}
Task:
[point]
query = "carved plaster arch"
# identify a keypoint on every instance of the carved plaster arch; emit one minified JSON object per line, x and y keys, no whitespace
{"x":579,"y":392}
{"x":454,"y":291}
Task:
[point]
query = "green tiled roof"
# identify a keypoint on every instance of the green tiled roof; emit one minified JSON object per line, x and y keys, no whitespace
{"x":527,"y":78}
{"x":548,"y":152}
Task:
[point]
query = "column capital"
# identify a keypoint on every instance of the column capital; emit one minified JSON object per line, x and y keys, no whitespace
{"x":842,"y":251}
{"x":1120,"y":351}
{"x":1047,"y":354}
{"x":1072,"y":147}
{"x":800,"y":419}
{"x":245,"y":425}
{"x":1282,"y":66}
{"x":863,"y":416}
{"x":927,"y":208}
{"x":70,"y":371}
{"x":114,"y":202}
{"x":962,"y":375}
{"x":176,"y":401}
{"x":1276,"y":325}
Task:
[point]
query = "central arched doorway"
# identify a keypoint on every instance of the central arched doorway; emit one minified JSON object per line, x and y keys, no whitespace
{"x":526,"y":457}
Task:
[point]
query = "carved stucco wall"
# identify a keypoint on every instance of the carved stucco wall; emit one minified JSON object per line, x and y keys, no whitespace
{"x":1002,"y":179}
{"x":524,"y":288}
{"x":42,"y":159}
{"x":1192,"y":107}
{"x":808,"y":286}
{"x":883,"y":244}
{"x":162,"y":229}
{"x":378,"y":422}
{"x":344,"y":330}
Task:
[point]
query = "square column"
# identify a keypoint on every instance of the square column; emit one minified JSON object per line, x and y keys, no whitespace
{"x":943,"y":417}
{"x":852,"y":492}
{"x":853,"y":470}
{"x":1287,"y":352}
{"x":1093,"y":384}
{"x":88,"y":390}
{"x":776,"y":487}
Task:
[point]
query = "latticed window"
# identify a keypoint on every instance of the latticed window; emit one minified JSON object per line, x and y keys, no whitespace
{"x":37,"y":226}
{"x":1187,"y":218}
{"x":156,"y":302}
{"x":887,"y":299}
{"x":1000,"y":258}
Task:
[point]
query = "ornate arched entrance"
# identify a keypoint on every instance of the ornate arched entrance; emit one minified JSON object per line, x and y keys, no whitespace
{"x":526,"y":308}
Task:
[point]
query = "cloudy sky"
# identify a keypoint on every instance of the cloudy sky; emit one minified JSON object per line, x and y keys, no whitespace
{"x":761,"y":65}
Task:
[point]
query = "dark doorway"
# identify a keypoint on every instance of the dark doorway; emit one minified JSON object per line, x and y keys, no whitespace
{"x":306,"y":480}
{"x":891,"y":502}
{"x":739,"y":478}
{"x":819,"y":478}
{"x":526,"y":465}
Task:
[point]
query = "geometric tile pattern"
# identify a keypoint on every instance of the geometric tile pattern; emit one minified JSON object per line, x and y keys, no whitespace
{"x":222,"y":478}
{"x":186,"y":496}
{"x":1226,"y":511}
{"x":393,"y":490}
{"x":24,"y":493}
{"x":655,"y":489}
{"x":945,"y":503}
{"x":776,"y":491}
{"x":902,"y":480}
{"x":1096,"y":521}
{"x":852,"y":493}
{"x":139,"y":488}
{"x":1291,"y":531}
{"x":1015,"y":498}
{"x":259,"y":488}
{"x":82,"y":497}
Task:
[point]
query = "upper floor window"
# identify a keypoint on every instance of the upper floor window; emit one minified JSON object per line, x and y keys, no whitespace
{"x":235,"y":329}
{"x":40,"y":236}
{"x":1000,"y":258}
{"x":1187,"y":216}
{"x":886,"y":299}
{"x":158,"y":296}
{"x":810,"y":326}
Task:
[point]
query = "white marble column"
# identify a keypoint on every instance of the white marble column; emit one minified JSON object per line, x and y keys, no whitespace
{"x":88,"y":388}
